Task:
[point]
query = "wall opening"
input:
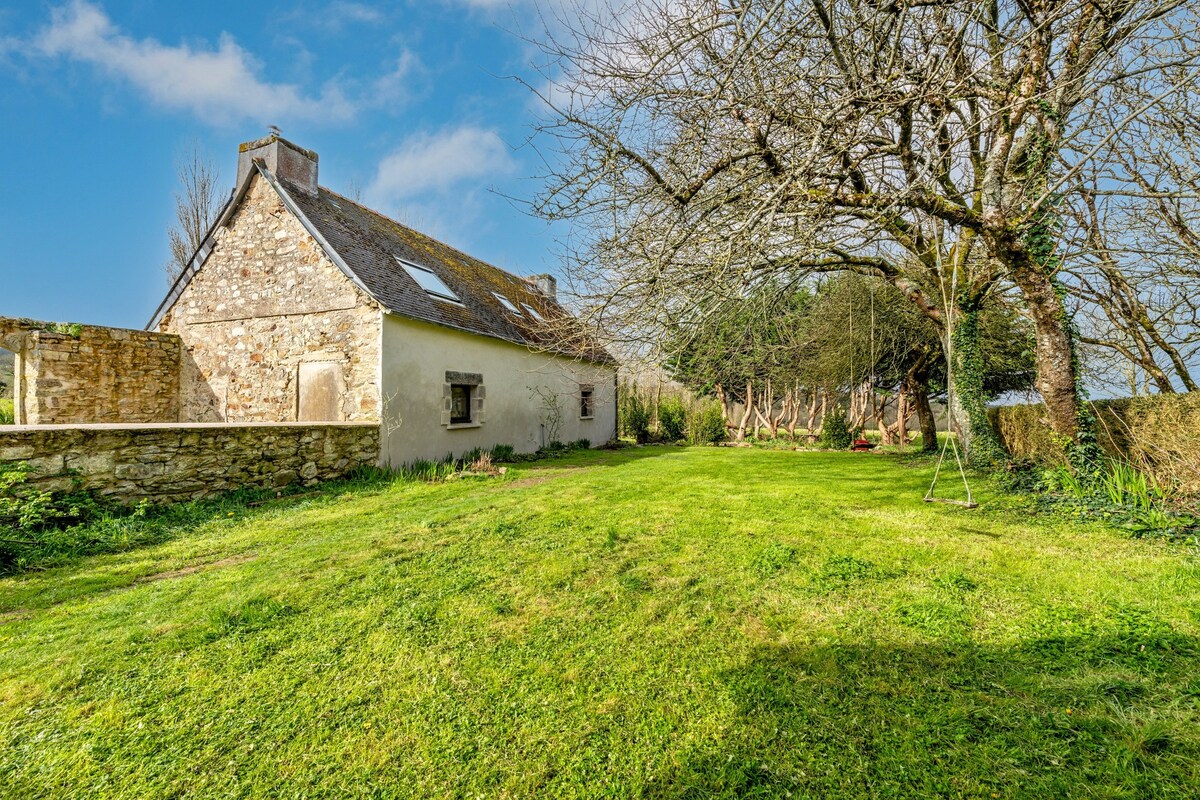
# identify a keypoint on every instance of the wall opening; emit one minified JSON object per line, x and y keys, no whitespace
{"x":8,"y":386}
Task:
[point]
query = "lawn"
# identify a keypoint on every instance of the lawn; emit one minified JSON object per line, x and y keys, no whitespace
{"x":656,"y":622}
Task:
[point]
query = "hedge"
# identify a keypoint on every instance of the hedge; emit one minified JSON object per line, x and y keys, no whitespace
{"x":1159,"y":433}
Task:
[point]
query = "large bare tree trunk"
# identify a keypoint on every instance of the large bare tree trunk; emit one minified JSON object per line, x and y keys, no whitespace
{"x":1056,"y":378}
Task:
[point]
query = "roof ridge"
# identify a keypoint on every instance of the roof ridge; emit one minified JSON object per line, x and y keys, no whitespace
{"x":462,"y":253}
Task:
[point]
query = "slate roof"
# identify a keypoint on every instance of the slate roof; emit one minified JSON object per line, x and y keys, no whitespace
{"x":366,"y":243}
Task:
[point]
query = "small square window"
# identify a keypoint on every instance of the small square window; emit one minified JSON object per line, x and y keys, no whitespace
{"x":460,"y":403}
{"x":586,"y":402}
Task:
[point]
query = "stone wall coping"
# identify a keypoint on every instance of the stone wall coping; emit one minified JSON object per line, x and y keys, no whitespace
{"x":10,"y":325}
{"x":185,"y":426}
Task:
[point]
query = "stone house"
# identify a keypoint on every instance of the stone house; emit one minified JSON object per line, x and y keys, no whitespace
{"x":303,"y":305}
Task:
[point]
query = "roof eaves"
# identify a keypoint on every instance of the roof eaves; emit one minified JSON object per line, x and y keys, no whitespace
{"x":603,"y":360}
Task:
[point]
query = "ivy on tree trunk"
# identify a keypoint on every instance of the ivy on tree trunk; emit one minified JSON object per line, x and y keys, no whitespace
{"x":979,"y":439}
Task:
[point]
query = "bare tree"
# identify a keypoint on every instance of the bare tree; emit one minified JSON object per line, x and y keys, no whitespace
{"x":1135,"y":269}
{"x":705,"y":145}
{"x":197,"y":204}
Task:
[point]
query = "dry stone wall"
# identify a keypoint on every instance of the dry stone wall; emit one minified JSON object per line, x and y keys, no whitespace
{"x":71,"y":374}
{"x":171,"y":463}
{"x":266,"y":301}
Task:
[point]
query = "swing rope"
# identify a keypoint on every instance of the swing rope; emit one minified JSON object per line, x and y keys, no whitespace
{"x":951,"y":442}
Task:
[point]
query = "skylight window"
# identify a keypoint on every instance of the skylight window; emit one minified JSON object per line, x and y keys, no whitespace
{"x":428,"y":281}
{"x":532,"y":312}
{"x":504,"y":301}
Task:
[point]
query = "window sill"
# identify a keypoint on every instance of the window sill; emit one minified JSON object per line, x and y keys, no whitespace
{"x":586,"y":418}
{"x":457,"y":426}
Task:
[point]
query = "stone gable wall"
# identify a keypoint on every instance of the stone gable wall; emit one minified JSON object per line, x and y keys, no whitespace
{"x":72,"y":374}
{"x":266,"y":300}
{"x":172,"y":463}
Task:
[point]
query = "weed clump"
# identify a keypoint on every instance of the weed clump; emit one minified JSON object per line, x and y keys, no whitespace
{"x":773,"y":558}
{"x":1119,"y":492}
{"x":844,"y":572}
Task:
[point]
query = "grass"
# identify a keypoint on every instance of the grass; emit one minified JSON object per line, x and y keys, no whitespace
{"x":6,"y":411}
{"x":654,"y":622}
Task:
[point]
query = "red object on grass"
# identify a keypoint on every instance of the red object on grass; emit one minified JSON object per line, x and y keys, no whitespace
{"x":861,"y":445}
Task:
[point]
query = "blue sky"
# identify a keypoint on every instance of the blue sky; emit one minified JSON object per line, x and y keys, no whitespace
{"x":407,"y":102}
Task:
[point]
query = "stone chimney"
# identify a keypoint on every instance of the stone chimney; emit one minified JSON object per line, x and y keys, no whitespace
{"x":546,"y":284}
{"x":285,"y":160}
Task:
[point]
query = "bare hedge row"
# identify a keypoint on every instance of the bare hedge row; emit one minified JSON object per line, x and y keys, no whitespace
{"x":1160,"y":433}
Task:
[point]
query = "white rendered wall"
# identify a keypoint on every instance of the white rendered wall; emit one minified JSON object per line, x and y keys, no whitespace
{"x":520,"y":388}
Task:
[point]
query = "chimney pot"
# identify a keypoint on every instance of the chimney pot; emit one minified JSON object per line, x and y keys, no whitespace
{"x":546,"y":284}
{"x":282,"y":158}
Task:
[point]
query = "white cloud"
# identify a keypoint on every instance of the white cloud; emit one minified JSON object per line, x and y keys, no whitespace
{"x":492,"y":5}
{"x":438,"y":182}
{"x":220,"y":84}
{"x":396,"y":86}
{"x":333,"y":17}
{"x":436,"y":163}
{"x":354,"y":12}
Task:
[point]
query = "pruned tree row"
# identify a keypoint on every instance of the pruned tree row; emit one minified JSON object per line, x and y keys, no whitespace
{"x":970,"y":155}
{"x":852,"y":346}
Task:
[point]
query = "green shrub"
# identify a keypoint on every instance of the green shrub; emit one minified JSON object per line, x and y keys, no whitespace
{"x":635,"y":415}
{"x":503,"y":452}
{"x":835,"y":435}
{"x":21,"y":505}
{"x":581,"y":444}
{"x":672,"y":419}
{"x":33,"y":517}
{"x":1119,"y":492}
{"x":24,"y":507}
{"x":706,"y":423}
{"x":7,"y":415}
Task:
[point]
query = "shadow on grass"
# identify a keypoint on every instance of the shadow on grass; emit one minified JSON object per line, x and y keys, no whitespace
{"x":117,"y":529}
{"x":599,"y":457}
{"x":1111,"y":715}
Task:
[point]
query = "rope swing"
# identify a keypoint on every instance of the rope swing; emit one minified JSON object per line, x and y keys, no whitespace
{"x":951,"y":442}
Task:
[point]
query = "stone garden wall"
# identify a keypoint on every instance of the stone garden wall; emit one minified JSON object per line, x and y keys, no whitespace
{"x":171,"y":463}
{"x":69,"y":373}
